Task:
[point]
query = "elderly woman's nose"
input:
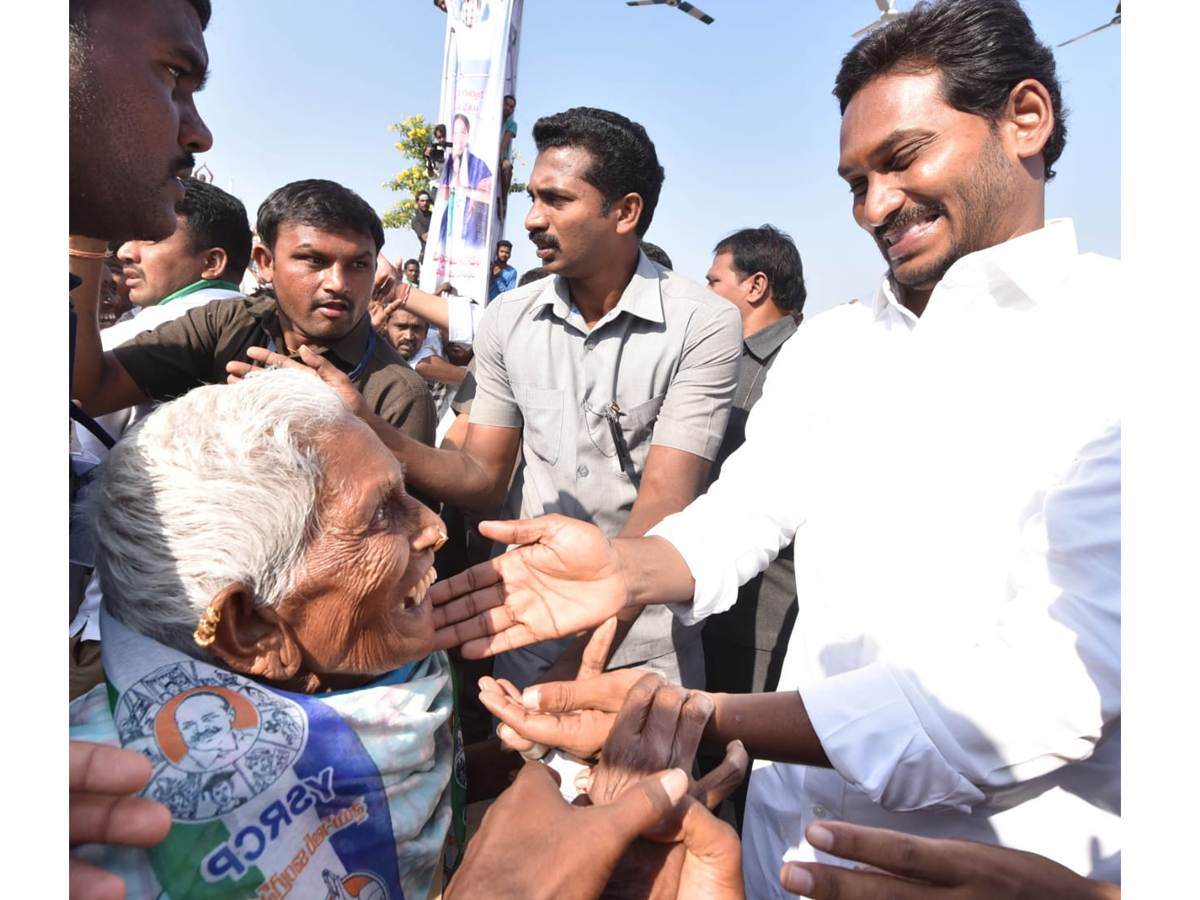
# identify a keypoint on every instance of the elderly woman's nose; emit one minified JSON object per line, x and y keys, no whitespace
{"x":431,"y":531}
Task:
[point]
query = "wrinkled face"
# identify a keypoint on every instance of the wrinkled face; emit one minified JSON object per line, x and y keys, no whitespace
{"x":723,"y":280}
{"x":323,"y":279}
{"x":462,"y":134}
{"x":574,"y":238}
{"x":406,"y":332}
{"x":510,"y":107}
{"x":134,"y":124}
{"x":360,"y":607}
{"x":931,"y":184}
{"x":503,"y":252}
{"x":412,"y":273}
{"x":204,"y":720}
{"x":156,"y":269}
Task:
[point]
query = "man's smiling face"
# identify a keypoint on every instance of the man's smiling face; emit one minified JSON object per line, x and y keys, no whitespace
{"x":930,"y":183}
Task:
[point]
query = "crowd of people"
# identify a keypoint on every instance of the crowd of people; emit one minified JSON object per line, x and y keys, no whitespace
{"x":704,"y":598}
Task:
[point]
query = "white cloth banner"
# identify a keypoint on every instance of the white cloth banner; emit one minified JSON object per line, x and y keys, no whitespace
{"x":479,"y":69}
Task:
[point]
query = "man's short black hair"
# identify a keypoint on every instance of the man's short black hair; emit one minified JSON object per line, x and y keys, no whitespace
{"x":424,"y":194}
{"x":321,"y":204}
{"x":532,"y":275}
{"x":503,"y":243}
{"x":772,"y":252}
{"x":981,"y":48}
{"x":623,"y":156}
{"x":410,"y":262}
{"x":79,"y":10}
{"x":213,"y":218}
{"x":657,"y":254}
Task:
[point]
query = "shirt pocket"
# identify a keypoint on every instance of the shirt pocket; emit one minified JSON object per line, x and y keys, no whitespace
{"x":637,"y":423}
{"x":542,"y":410}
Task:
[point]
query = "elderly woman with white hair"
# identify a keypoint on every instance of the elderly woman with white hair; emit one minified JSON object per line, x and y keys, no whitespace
{"x":268,"y":647}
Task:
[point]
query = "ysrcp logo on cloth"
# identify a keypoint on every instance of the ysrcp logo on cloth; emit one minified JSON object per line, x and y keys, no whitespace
{"x":215,"y":740}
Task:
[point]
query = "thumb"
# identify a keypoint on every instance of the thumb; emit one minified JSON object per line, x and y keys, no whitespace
{"x":643,"y":805}
{"x":517,"y":531}
{"x":595,"y":654}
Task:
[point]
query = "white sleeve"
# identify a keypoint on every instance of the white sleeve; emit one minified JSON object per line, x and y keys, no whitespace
{"x":1042,"y":682}
{"x":464,"y":314}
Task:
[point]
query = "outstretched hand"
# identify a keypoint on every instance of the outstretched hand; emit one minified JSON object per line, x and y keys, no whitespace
{"x":102,"y":812}
{"x":905,"y":867}
{"x":565,"y":578}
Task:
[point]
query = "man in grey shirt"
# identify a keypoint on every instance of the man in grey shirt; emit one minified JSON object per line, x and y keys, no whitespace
{"x":614,"y":375}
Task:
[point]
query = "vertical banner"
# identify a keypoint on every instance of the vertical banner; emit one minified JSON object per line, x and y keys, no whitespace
{"x":482,"y":37}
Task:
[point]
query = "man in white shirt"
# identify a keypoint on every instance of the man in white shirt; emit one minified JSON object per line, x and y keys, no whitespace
{"x":953,"y":490}
{"x":204,"y":259}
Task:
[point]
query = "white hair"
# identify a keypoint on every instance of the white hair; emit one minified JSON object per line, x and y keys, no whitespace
{"x":219,"y":486}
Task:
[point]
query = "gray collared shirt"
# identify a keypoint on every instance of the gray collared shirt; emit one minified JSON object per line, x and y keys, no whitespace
{"x":667,"y":355}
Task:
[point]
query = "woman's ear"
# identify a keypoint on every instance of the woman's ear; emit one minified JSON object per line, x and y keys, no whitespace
{"x":251,"y":639}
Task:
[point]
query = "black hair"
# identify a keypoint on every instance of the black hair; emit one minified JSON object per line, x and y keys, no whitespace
{"x":421,"y":194}
{"x":466,"y":121}
{"x":623,"y":160}
{"x":319,"y":203}
{"x":656,"y":254}
{"x":213,"y":218}
{"x":440,"y":126}
{"x":406,"y":263}
{"x":79,"y":9}
{"x":772,"y":252}
{"x":532,"y":275}
{"x":503,"y":243}
{"x":981,"y":49}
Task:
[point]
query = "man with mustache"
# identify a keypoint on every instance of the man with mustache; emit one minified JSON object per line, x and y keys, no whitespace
{"x":205,"y":721}
{"x":952,"y":485}
{"x":318,"y":253}
{"x":614,"y":377}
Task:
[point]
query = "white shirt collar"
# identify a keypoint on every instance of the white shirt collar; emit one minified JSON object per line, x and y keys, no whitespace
{"x":1023,"y":270}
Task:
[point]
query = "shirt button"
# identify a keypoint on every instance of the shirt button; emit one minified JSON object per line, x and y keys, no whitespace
{"x":582,"y":471}
{"x":820,"y":812}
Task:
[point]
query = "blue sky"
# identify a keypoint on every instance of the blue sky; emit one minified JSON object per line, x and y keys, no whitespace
{"x":740,"y":111}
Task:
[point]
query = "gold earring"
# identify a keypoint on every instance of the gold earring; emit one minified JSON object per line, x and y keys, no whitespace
{"x":206,"y":631}
{"x":441,"y":541}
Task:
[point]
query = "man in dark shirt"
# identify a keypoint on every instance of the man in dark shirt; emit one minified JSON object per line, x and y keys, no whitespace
{"x":318,"y":254}
{"x":758,"y":270}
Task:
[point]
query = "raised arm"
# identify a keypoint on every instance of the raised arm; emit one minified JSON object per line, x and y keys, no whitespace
{"x":100,"y":383}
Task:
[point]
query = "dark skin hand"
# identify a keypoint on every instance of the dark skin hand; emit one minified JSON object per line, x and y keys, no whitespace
{"x":905,"y":867}
{"x":659,"y":724}
{"x":533,"y":845}
{"x":103,"y":812}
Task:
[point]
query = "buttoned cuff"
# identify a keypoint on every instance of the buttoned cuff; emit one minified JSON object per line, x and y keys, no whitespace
{"x":876,"y":740}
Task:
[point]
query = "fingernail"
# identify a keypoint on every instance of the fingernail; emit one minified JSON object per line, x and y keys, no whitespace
{"x":531,"y":698}
{"x":797,"y":880}
{"x":820,"y":837}
{"x":675,"y":783}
